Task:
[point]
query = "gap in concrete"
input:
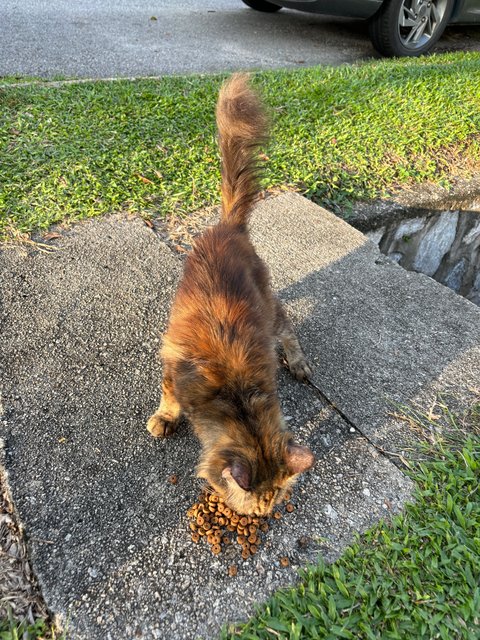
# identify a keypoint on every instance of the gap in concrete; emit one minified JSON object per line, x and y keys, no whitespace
{"x":444,"y":245}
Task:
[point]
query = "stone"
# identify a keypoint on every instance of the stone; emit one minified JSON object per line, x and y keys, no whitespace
{"x":436,"y":243}
{"x":474,"y":294}
{"x":455,"y":277}
{"x":473,"y":234}
{"x":409,"y":227}
{"x":396,"y":256}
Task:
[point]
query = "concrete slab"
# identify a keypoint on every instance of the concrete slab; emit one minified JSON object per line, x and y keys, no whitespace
{"x":80,"y":327}
{"x":377,"y":335}
{"x":173,"y":589}
{"x":105,"y":528}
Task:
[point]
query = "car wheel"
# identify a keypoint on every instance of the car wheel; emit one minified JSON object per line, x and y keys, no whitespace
{"x":262,"y":5}
{"x":409,"y":27}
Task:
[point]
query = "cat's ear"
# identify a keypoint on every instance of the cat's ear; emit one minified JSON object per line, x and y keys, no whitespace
{"x":240,"y":472}
{"x":298,"y":458}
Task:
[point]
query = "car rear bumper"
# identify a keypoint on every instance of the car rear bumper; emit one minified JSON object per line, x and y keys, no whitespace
{"x":348,"y":8}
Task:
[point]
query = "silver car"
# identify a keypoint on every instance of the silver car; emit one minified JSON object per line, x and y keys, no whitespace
{"x":397,"y":27}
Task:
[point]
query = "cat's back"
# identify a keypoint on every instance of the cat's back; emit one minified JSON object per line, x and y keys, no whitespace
{"x":224,"y":263}
{"x":224,"y":303}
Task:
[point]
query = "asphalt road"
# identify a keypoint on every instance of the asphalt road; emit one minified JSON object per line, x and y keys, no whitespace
{"x":105,"y":38}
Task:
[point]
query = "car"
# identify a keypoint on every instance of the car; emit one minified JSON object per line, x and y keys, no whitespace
{"x":396,"y":27}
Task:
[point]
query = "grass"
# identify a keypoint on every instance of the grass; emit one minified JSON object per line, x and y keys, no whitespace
{"x":18,"y":79}
{"x":11,"y":629}
{"x":80,"y":150}
{"x":416,"y":577}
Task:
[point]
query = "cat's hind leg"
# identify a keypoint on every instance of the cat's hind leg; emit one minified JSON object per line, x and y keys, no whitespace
{"x":165,"y":420}
{"x":297,"y":362}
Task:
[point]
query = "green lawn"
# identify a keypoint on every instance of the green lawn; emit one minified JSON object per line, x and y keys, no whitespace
{"x":11,"y":629}
{"x":417,"y":577}
{"x":79,"y":150}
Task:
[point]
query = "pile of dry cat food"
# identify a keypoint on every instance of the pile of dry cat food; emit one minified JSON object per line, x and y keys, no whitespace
{"x":211,"y":519}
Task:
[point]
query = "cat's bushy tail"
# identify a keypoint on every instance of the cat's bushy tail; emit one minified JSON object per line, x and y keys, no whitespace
{"x":242,"y":127}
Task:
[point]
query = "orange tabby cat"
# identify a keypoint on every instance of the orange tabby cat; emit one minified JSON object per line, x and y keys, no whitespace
{"x":219,"y":351}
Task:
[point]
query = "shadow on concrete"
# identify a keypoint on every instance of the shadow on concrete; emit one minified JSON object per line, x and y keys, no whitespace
{"x":381,"y":338}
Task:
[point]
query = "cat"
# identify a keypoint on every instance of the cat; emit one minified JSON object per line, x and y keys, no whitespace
{"x":219,"y":351}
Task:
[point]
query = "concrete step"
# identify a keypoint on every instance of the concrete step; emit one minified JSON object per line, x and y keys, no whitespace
{"x":106,"y":530}
{"x":379,"y":337}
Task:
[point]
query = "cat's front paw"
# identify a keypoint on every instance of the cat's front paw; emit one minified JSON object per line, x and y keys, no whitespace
{"x":300,"y":369}
{"x":160,"y":426}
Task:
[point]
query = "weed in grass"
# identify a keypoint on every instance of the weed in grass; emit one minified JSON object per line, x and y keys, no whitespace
{"x":11,"y":629}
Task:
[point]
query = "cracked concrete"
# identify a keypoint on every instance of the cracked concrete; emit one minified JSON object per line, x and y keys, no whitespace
{"x":106,"y":531}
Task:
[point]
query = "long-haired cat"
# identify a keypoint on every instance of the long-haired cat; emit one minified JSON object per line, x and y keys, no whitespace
{"x":219,"y":352}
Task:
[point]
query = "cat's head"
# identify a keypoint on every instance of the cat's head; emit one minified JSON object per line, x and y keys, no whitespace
{"x":254,"y":477}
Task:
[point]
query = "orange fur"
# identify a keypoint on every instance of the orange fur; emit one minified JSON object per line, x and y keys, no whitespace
{"x":219,"y":351}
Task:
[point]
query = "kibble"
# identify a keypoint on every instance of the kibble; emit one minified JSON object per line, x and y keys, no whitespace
{"x":173,"y":479}
{"x":210,"y":518}
{"x":232,"y":570}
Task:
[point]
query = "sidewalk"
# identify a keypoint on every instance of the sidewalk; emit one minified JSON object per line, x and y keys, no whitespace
{"x":107,"y":531}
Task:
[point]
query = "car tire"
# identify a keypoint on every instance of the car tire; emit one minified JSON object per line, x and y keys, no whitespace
{"x":409,"y":27}
{"x":262,"y":5}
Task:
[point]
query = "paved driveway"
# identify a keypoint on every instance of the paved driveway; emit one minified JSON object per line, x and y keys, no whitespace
{"x":104,"y":38}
